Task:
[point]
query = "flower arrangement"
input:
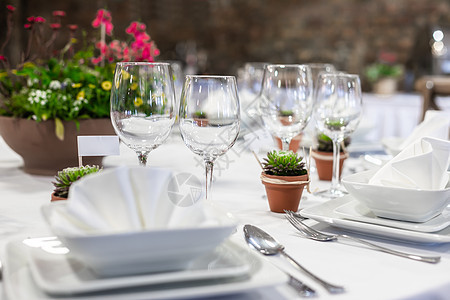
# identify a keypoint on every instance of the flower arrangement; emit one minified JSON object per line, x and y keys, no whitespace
{"x":385,"y":67}
{"x":66,"y":84}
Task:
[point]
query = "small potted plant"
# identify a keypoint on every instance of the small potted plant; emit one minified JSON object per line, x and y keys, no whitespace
{"x":200,"y":119}
{"x":384,"y":74}
{"x":323,"y":156}
{"x":66,"y":177}
{"x":284,"y":177}
{"x":285,"y":118}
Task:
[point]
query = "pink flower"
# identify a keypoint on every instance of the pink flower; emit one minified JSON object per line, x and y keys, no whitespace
{"x":3,"y":58}
{"x":55,"y":26}
{"x":59,"y":13}
{"x":96,"y":60}
{"x":31,"y":19}
{"x":10,"y":8}
{"x":27,"y":26}
{"x":39,"y":19}
{"x":132,"y":28}
{"x":103,"y":17}
{"x":72,"y":27}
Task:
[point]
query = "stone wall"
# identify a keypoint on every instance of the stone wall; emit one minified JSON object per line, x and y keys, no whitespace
{"x":224,"y":34}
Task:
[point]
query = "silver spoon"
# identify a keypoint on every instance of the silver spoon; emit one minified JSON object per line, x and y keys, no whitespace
{"x":267,"y":245}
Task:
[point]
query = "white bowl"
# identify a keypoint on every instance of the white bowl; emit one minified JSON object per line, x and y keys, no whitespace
{"x":145,"y":251}
{"x":397,"y":203}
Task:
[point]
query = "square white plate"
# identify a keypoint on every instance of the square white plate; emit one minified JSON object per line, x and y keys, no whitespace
{"x":357,"y":211}
{"x":60,"y":274}
{"x":325,"y":212}
{"x":19,"y":283}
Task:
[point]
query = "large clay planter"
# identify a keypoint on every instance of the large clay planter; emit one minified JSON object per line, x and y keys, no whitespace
{"x":324,"y":163}
{"x":42,"y":152}
{"x":284,"y":192}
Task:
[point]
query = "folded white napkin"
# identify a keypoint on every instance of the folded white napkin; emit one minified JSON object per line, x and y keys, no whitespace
{"x":126,"y":199}
{"x":422,"y":165}
{"x":436,"y":124}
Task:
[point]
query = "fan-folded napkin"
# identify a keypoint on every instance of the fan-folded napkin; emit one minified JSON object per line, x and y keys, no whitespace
{"x":126,"y":199}
{"x":421,"y":165}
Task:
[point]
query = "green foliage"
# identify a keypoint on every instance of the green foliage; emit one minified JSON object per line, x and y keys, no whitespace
{"x":284,"y":163}
{"x":67,"y":176}
{"x":325,"y":144}
{"x":64,"y":89}
{"x":377,"y":71}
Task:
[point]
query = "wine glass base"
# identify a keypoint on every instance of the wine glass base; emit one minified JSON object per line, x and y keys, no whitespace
{"x":331,"y":193}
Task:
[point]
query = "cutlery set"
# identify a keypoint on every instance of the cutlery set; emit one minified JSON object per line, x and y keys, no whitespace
{"x":264,"y":243}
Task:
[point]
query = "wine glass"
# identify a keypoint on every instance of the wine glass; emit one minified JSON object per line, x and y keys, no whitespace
{"x":337,"y":113}
{"x":142,"y":105}
{"x":209,"y":118}
{"x":286,"y":101}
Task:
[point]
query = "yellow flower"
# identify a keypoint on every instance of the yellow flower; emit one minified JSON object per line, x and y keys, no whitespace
{"x":91,"y":86}
{"x":138,"y":101}
{"x":106,"y":85}
{"x":73,"y":40}
{"x":76,"y":85}
{"x":14,"y":71}
{"x":28,"y":65}
{"x":44,"y":117}
{"x":81,"y":95}
{"x":125,"y":75}
{"x":134,"y":86}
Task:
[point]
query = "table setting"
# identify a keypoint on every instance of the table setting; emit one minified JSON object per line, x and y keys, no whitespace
{"x":182,"y":212}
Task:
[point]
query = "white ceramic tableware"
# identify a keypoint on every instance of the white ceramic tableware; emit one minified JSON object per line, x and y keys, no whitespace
{"x":414,"y":205}
{"x":147,"y":250}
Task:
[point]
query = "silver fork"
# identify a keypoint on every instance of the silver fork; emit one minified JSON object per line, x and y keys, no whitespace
{"x":323,"y":237}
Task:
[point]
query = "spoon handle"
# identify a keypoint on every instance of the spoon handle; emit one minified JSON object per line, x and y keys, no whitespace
{"x":331,"y":288}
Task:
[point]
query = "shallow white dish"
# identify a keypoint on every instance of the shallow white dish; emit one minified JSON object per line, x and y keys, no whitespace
{"x":137,"y":252}
{"x":325,"y":212}
{"x":397,"y":203}
{"x":61,"y":274}
{"x":19,"y":283}
{"x":356,"y":211}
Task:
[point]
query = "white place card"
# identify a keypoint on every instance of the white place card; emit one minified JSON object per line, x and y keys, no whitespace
{"x":98,"y":145}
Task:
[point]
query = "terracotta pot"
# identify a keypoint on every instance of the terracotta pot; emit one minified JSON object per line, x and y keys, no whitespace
{"x":324,"y":163}
{"x":293,"y":145}
{"x":284,"y":195}
{"x":56,"y":198}
{"x":201,"y":122}
{"x":42,"y":152}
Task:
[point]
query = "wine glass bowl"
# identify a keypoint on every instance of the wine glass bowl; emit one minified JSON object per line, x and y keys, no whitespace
{"x":286,"y":100}
{"x":142,"y":105}
{"x":209,"y":117}
{"x":337,"y":113}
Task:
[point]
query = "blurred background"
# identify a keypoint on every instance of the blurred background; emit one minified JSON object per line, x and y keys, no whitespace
{"x":220,"y":36}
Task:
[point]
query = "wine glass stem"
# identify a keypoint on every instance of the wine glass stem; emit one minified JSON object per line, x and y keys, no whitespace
{"x":209,"y":172}
{"x":142,"y":156}
{"x":285,"y":142}
{"x":335,"y":181}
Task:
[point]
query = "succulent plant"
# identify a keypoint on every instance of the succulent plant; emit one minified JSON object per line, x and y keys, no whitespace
{"x":325,"y":144}
{"x":67,"y":176}
{"x":284,"y":163}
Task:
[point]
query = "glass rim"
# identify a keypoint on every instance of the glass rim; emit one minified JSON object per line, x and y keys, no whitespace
{"x":287,"y":65}
{"x":211,"y":76}
{"x":147,"y":63}
{"x":337,"y":74}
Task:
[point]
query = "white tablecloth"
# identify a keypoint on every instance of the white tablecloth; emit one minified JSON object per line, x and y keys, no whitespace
{"x":366,"y":274}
